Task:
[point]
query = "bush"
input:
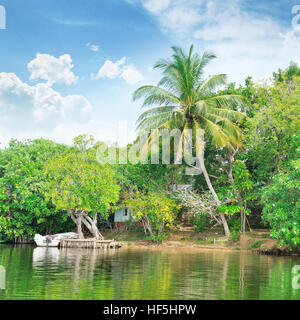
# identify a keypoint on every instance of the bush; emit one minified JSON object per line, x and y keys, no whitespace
{"x":282,"y":206}
{"x":156,"y":211}
{"x":234,"y":224}
{"x":201,"y":222}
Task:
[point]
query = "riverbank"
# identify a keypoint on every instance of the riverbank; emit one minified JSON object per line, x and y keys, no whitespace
{"x":258,"y":241}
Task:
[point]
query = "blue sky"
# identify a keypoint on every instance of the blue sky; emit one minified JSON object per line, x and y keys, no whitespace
{"x":70,"y":67}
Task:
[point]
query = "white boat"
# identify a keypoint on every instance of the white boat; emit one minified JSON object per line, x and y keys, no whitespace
{"x":53,"y":240}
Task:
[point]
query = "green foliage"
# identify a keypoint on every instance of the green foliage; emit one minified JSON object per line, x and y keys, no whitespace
{"x":242,"y":178}
{"x":145,"y":177}
{"x":24,"y":210}
{"x":288,"y":73}
{"x":230,"y":209}
{"x":235,"y":235}
{"x":234,"y":224}
{"x":78,"y":182}
{"x":156,"y":211}
{"x":160,"y":237}
{"x":201,"y":222}
{"x":282,"y":206}
{"x":270,"y":131}
{"x":255,"y":245}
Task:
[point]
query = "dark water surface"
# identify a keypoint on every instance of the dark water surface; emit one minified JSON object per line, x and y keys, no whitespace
{"x":40,"y":273}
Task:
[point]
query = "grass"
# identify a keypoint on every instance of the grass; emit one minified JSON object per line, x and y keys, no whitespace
{"x":255,"y":245}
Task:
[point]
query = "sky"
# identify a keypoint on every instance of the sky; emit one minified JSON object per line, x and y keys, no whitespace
{"x":69,"y":67}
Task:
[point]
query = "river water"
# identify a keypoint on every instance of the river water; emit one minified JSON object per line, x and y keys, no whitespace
{"x":136,"y":273}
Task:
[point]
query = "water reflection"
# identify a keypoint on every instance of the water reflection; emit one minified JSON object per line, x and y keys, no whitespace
{"x":52,"y":273}
{"x":42,"y":256}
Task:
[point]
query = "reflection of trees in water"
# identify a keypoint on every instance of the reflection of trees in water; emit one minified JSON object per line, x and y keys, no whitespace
{"x":73,"y":269}
{"x":167,"y":274}
{"x":144,"y":274}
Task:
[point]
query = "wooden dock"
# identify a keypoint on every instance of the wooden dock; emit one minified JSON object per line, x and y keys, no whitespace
{"x":90,"y":244}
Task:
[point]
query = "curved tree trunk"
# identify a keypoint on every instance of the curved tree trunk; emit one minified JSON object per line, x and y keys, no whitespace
{"x":214,"y":194}
{"x":79,"y":227}
{"x":77,"y":220}
{"x":91,"y":224}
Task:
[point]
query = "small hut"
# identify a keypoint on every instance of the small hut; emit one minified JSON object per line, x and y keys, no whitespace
{"x":121,"y":216}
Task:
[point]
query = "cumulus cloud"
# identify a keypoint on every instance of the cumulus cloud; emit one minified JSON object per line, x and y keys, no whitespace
{"x":131,"y":75}
{"x":110,"y":69}
{"x":117,"y":69}
{"x":26,"y":109}
{"x":52,"y":69}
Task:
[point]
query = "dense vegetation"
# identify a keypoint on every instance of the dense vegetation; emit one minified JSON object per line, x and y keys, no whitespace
{"x":251,"y":169}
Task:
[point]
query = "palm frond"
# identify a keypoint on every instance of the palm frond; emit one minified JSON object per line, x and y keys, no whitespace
{"x":227,"y":101}
{"x":155,"y":95}
{"x":155,"y":111}
{"x":228,"y":127}
{"x":218,"y":137}
{"x":229,"y":114}
{"x":154,"y":121}
{"x":211,"y":83}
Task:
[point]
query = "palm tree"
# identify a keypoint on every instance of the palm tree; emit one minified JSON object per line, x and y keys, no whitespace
{"x":184,"y":100}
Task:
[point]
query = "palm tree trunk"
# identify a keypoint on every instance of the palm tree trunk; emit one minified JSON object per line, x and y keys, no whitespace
{"x":212,"y":190}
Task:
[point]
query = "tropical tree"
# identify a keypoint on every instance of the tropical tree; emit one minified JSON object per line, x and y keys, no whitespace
{"x":282,"y":206}
{"x":287,"y":74}
{"x":24,"y":210}
{"x":184,"y":100}
{"x":81,"y":186}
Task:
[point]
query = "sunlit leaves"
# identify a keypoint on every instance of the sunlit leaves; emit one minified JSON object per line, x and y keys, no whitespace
{"x":78,"y":182}
{"x":282,"y":205}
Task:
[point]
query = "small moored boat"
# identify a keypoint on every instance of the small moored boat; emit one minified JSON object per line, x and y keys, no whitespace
{"x":53,"y":240}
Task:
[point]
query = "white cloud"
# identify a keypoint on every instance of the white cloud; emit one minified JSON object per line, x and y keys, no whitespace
{"x":117,"y":69}
{"x":51,"y":69}
{"x":110,"y":69}
{"x":25,"y":109}
{"x":93,"y":47}
{"x":156,"y":6}
{"x":180,"y":19}
{"x":131,"y":75}
{"x":246,"y":42}
{"x":32,"y":111}
{"x":291,"y":44}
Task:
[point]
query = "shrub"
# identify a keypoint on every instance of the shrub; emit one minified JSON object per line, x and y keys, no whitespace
{"x":282,"y":206}
{"x":202,"y":222}
{"x":156,"y":211}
